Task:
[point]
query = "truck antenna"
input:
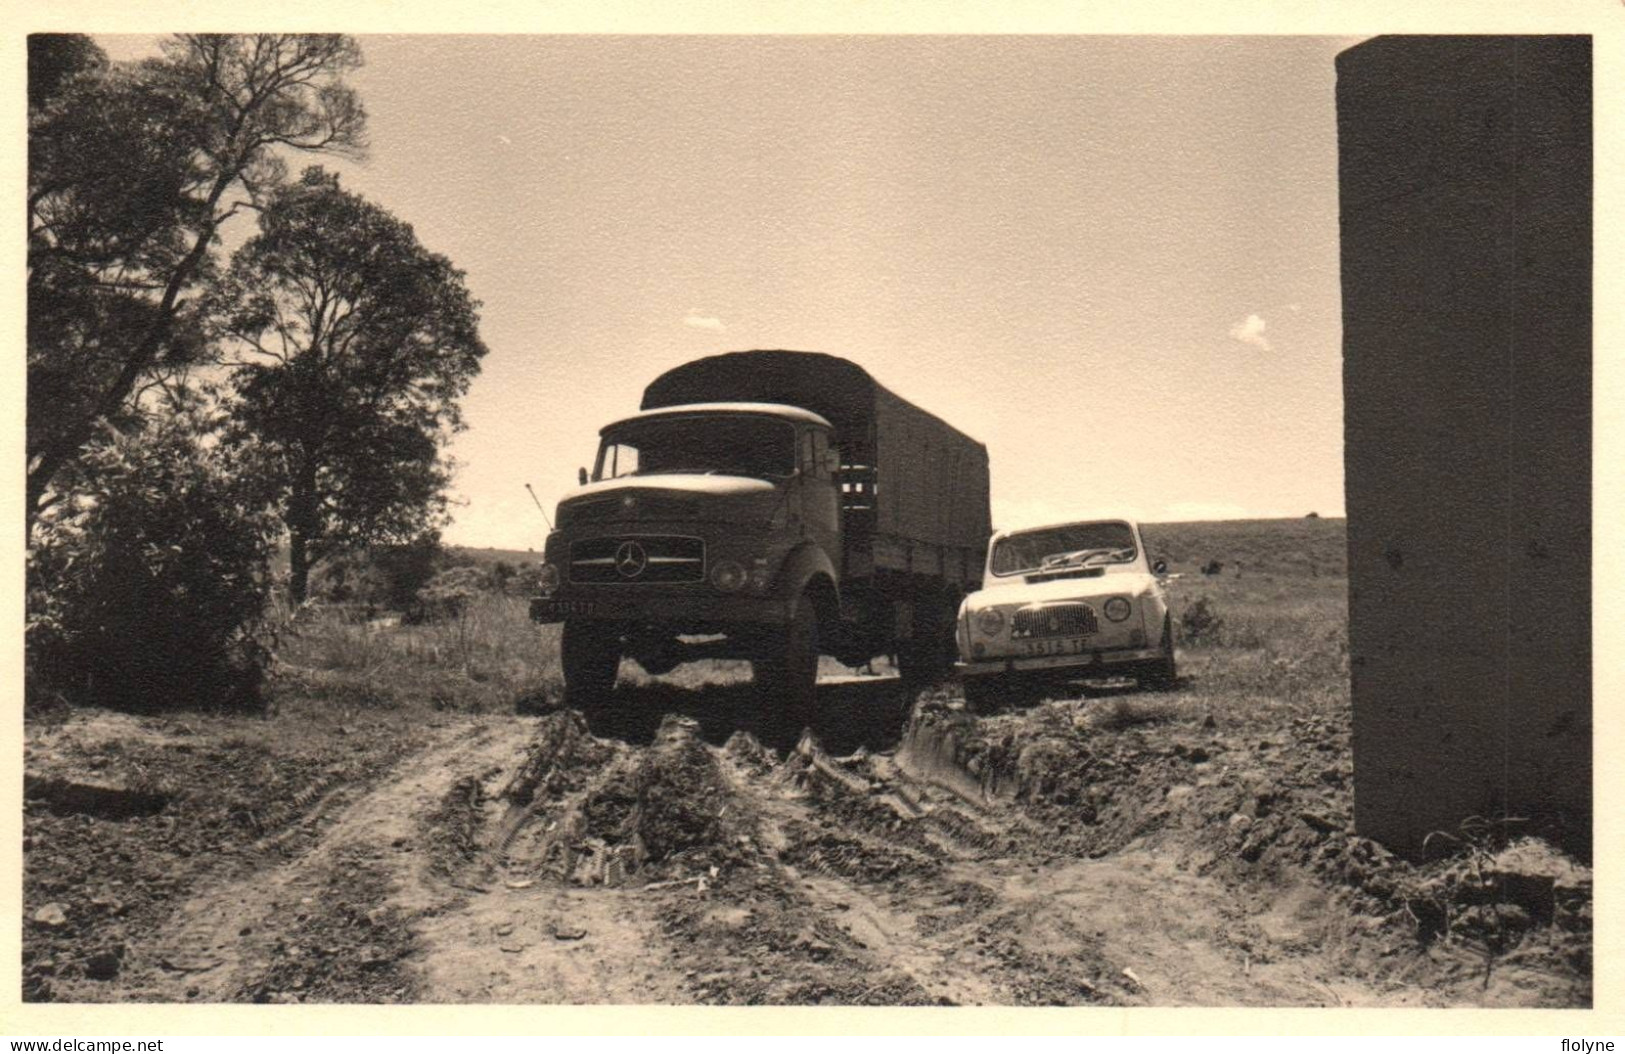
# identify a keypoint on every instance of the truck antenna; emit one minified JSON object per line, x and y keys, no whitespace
{"x":539,"y":508}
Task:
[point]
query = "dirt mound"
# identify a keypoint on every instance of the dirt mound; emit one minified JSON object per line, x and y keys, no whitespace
{"x":596,"y":813}
{"x":1041,"y":756}
{"x":561,"y":754}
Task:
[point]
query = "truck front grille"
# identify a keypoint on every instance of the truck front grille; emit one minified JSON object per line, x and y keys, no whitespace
{"x":1056,"y":620}
{"x":633,"y":559}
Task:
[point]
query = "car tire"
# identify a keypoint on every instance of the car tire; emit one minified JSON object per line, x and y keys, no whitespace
{"x":590,"y":653}
{"x":1161,"y":674}
{"x":786,"y":675}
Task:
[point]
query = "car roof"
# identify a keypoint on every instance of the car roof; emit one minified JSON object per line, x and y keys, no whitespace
{"x":781,"y":411}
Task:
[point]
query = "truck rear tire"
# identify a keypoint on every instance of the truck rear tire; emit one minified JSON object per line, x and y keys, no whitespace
{"x":926,"y":658}
{"x":982,"y":694}
{"x":786,"y":675}
{"x":590,"y":653}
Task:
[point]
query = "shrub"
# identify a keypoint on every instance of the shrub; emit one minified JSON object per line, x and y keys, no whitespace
{"x":1199,"y":623}
{"x":389,"y":577}
{"x":147,"y":586}
{"x":448,"y":594}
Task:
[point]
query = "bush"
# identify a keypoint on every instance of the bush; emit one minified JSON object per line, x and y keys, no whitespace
{"x":387,"y":577}
{"x":448,"y":594}
{"x":1199,"y":623}
{"x":147,"y":587}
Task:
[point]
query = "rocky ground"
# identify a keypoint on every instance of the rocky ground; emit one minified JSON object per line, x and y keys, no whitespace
{"x":1114,"y":848}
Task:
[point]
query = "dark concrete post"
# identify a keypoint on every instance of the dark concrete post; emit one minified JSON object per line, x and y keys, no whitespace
{"x":1465,"y":180}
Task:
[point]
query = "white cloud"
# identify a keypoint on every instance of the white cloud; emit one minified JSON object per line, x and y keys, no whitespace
{"x":702,"y":321}
{"x":1250,"y":330}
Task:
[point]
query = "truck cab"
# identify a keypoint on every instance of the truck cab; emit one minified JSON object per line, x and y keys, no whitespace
{"x":689,"y":516}
{"x":757,"y":527}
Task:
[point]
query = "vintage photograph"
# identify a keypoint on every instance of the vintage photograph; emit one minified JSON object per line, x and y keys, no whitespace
{"x":808,"y":520}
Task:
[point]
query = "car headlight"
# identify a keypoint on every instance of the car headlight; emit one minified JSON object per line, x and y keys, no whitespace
{"x":728,"y":576}
{"x":547,"y":580}
{"x":989,"y":621}
{"x":1118,"y":609}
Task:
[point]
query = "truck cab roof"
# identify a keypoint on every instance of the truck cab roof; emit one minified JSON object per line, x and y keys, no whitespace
{"x":779,"y":410}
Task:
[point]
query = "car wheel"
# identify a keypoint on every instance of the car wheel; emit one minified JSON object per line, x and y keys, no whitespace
{"x":590,"y":653}
{"x":786,"y":675}
{"x":1161,"y":674}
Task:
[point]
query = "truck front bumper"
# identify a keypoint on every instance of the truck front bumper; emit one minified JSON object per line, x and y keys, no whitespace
{"x":1079,"y":664}
{"x":697,"y":611}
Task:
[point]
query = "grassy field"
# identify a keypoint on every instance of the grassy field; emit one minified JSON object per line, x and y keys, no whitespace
{"x":1278,"y":637}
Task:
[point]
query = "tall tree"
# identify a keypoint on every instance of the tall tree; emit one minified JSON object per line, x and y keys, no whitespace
{"x":353,"y":344}
{"x":132,"y":171}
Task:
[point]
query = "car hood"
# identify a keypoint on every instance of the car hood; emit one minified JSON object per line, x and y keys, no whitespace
{"x":1020,"y":594}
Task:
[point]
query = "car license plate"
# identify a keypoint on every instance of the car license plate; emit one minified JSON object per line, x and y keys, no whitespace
{"x":1057,"y":646}
{"x":542,"y":610}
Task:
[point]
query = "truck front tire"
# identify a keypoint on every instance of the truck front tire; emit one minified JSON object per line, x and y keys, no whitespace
{"x":590,"y":653}
{"x":786,"y":675}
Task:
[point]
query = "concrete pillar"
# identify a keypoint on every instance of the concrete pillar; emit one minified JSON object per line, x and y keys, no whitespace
{"x":1465,"y":183}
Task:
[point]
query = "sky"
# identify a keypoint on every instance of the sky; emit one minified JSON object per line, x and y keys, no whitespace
{"x":1111,"y":259}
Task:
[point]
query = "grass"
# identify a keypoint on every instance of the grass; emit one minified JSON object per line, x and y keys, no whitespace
{"x":1282,"y":646}
{"x":479,"y":662}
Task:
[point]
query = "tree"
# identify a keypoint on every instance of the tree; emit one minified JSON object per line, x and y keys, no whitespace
{"x":132,"y":171}
{"x":352,"y":345}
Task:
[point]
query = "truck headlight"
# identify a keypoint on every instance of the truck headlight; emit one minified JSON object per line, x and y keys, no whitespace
{"x":1118,"y":609}
{"x":547,"y":580}
{"x":989,"y":621}
{"x":728,"y":576}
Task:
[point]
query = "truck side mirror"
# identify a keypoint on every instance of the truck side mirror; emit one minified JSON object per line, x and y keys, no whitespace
{"x":831,"y":463}
{"x":581,"y":476}
{"x":1160,"y":567}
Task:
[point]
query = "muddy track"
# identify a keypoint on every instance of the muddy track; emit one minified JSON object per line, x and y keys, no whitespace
{"x":516,"y":860}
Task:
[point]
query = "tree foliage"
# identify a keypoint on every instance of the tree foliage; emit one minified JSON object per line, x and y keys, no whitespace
{"x":352,"y":345}
{"x":132,"y":170}
{"x":146,"y":587}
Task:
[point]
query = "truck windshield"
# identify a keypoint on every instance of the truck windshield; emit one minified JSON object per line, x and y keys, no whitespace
{"x":704,"y":444}
{"x":1076,"y":544}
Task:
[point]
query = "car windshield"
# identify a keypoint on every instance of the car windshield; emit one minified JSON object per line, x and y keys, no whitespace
{"x":1055,"y":548}
{"x":703,"y":444}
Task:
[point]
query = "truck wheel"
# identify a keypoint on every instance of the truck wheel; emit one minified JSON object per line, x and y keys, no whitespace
{"x":590,"y":653}
{"x":981,"y":694}
{"x":926,"y":659}
{"x":787,"y":675}
{"x":1161,"y":674}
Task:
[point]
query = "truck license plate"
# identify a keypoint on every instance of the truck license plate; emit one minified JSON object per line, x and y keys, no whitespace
{"x":542,"y":610}
{"x":1058,"y":646}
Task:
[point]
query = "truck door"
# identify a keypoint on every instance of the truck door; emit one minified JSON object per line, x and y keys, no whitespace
{"x":820,"y":502}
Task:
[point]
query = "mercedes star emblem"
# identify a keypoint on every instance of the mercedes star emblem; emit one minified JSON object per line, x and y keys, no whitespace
{"x":630,"y":559}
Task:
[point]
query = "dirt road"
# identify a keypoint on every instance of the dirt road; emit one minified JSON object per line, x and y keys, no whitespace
{"x":1020,"y":860}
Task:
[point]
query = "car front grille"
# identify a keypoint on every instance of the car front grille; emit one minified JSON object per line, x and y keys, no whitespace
{"x":636,"y":559}
{"x":1054,"y":620}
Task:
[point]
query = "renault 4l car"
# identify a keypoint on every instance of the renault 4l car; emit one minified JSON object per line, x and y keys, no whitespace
{"x":1065,"y":602}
